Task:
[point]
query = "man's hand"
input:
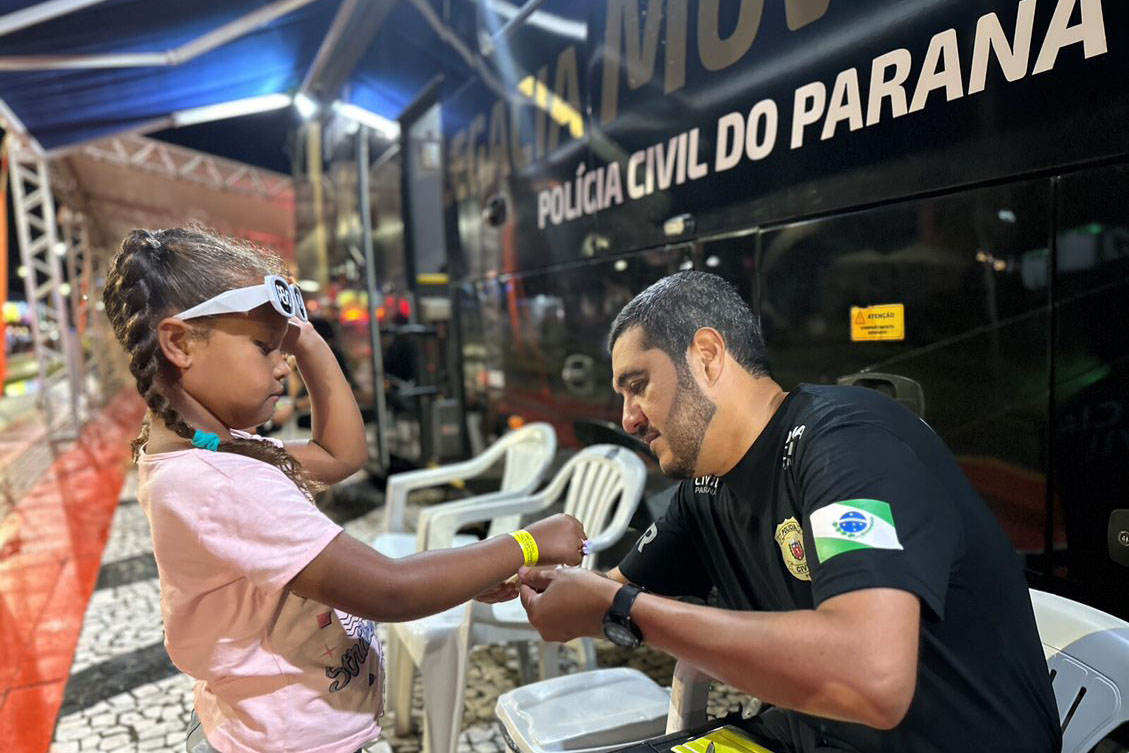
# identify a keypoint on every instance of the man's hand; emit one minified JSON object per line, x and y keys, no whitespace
{"x":565,"y":603}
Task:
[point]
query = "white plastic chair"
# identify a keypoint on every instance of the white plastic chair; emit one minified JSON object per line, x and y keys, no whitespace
{"x":601,"y":486}
{"x":527,"y":453}
{"x":1088,"y":655}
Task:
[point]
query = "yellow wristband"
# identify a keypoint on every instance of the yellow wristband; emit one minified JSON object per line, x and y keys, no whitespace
{"x":528,"y":546}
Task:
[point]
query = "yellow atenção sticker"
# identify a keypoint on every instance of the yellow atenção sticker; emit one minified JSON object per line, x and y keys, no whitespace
{"x":884,"y":322}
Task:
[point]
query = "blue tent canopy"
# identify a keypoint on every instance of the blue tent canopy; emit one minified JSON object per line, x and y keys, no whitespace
{"x":110,"y":66}
{"x":400,"y":62}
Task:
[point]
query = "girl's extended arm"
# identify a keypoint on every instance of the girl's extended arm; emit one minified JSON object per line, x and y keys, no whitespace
{"x":352,"y":577}
{"x":338,"y":447}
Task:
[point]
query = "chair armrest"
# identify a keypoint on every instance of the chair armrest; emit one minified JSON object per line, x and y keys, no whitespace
{"x":608,"y":538}
{"x":689,"y":692}
{"x":438,"y":525}
{"x":401,"y":484}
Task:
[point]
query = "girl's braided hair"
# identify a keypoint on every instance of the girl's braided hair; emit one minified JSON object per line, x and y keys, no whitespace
{"x":158,"y":273}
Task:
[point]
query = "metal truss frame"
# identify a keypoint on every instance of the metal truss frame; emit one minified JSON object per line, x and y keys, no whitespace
{"x":61,"y":391}
{"x":99,"y":366}
{"x":135,"y":151}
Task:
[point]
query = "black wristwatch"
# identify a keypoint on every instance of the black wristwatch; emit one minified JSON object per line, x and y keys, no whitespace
{"x":618,"y":627}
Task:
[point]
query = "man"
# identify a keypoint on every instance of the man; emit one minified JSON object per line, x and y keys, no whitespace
{"x":867,"y":592}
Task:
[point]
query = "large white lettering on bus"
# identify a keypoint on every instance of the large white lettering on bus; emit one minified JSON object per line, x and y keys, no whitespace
{"x":630,"y":48}
{"x":893,"y":85}
{"x":492,"y":146}
{"x":892,"y":90}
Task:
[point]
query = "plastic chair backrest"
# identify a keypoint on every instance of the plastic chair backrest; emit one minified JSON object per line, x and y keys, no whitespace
{"x":1088,"y":656}
{"x":528,"y":453}
{"x":610,"y":480}
{"x":591,"y":482}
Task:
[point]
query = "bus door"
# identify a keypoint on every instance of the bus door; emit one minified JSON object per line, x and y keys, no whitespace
{"x":1089,"y":447}
{"x":422,"y":371}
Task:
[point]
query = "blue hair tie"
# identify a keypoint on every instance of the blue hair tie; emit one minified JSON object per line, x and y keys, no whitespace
{"x":206,"y":440}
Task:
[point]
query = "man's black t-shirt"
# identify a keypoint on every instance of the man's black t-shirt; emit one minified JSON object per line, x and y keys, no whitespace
{"x":845,"y":490}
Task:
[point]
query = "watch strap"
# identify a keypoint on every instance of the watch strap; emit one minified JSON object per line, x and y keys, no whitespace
{"x":624,"y":599}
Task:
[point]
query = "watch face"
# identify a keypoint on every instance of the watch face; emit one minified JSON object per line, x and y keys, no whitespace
{"x":620,"y":635}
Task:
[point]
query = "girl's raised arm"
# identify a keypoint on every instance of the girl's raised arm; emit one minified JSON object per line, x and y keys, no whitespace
{"x":338,"y":447}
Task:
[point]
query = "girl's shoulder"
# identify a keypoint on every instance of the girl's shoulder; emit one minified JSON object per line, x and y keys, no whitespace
{"x":192,"y":483}
{"x":198,"y":466}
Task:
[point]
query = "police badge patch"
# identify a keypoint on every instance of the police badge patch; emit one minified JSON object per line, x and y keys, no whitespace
{"x":790,"y":537}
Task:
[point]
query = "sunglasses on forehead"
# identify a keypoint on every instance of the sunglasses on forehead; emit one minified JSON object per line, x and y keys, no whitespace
{"x":280,"y":293}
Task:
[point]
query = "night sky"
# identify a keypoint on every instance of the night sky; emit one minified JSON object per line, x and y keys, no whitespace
{"x":261,"y":140}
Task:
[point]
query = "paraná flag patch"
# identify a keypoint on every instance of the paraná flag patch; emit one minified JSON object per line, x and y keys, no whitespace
{"x":853,"y":524}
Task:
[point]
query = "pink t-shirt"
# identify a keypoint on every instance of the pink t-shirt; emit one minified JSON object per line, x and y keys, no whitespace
{"x":274,"y":671}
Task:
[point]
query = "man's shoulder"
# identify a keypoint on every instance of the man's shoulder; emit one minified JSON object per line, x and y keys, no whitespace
{"x":820,"y":400}
{"x":842,"y":408}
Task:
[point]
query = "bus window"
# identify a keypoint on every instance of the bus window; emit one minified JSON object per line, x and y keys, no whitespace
{"x":975,"y":325}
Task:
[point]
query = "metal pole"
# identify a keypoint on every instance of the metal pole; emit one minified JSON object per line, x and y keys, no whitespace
{"x":40,"y":12}
{"x":74,"y":236}
{"x":364,"y":206}
{"x":71,"y":357}
{"x":3,"y":257}
{"x":314,"y":173}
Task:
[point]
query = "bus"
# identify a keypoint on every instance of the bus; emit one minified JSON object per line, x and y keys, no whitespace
{"x":934,"y":189}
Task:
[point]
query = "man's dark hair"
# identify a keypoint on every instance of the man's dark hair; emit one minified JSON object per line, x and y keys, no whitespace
{"x":674,"y":308}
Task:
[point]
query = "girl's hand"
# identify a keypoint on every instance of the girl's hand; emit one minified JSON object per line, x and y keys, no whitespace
{"x":560,"y":540}
{"x":300,"y":338}
{"x":504,"y":591}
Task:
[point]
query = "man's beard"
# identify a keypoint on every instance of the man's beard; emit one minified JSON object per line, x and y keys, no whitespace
{"x":690,"y":416}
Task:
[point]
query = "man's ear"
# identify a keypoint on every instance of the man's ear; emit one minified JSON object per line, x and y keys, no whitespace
{"x":707,"y":351}
{"x":176,"y":340}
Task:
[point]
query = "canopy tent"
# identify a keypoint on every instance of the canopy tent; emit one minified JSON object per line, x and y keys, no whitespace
{"x":72,"y":71}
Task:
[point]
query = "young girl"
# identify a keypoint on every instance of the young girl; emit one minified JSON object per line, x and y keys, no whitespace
{"x":266,"y":602}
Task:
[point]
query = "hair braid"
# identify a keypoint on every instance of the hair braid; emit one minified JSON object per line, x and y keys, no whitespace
{"x":147,"y":277}
{"x":140,"y":341}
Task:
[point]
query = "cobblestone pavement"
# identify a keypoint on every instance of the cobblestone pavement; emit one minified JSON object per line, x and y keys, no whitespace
{"x":124,"y":694}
